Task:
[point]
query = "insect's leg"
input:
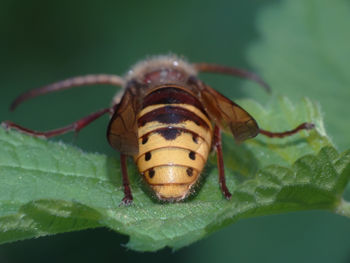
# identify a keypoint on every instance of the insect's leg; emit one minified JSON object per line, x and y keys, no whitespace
{"x":67,"y":84}
{"x":75,"y":126}
{"x":214,"y":68}
{"x":127,"y":200}
{"x":220,"y":160}
{"x":303,"y":126}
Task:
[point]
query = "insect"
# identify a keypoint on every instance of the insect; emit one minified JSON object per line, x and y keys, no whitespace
{"x":168,"y":120}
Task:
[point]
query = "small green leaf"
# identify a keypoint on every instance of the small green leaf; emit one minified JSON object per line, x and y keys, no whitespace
{"x":303,"y":50}
{"x":48,"y":188}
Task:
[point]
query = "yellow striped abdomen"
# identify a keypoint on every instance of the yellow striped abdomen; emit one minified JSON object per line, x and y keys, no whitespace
{"x":174,"y":143}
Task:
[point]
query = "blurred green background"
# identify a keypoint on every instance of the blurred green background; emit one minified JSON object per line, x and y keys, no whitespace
{"x":45,"y":41}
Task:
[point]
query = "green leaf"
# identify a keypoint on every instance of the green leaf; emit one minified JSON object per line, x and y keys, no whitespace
{"x":48,"y":188}
{"x":304,"y":51}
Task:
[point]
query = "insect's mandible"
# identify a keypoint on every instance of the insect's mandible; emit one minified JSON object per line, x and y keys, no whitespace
{"x":168,"y":120}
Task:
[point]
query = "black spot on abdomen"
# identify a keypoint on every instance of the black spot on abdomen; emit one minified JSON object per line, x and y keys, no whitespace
{"x":148,"y":156}
{"x":189,"y":171}
{"x":144,"y":140}
{"x":151,"y":173}
{"x":192,"y":155}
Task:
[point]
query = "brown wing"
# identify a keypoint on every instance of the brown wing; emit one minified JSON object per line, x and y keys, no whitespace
{"x":228,"y":115}
{"x":122,"y":130}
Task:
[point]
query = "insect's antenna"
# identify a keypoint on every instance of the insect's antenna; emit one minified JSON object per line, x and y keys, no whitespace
{"x":214,"y":68}
{"x":67,"y":84}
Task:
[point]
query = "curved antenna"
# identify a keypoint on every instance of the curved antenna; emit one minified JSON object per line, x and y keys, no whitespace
{"x":67,"y":84}
{"x":215,"y":68}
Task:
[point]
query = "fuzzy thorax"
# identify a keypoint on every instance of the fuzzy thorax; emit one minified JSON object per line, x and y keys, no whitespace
{"x":158,"y":63}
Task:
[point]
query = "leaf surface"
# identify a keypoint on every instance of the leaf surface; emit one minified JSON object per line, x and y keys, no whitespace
{"x":48,"y":187}
{"x":303,"y":50}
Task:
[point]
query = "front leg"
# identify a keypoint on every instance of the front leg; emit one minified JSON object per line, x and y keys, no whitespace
{"x":75,"y":126}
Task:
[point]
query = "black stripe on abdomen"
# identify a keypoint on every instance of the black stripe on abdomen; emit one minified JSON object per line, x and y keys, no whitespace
{"x":172,"y":115}
{"x":172,"y":95}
